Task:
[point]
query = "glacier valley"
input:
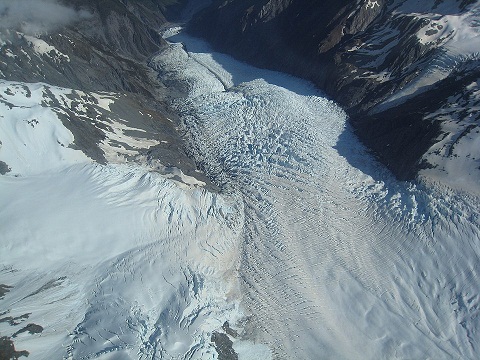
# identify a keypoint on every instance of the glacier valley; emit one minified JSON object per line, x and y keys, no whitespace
{"x":305,"y":247}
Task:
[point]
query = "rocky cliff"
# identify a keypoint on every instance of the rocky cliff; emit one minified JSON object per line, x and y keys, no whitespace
{"x":405,"y":71}
{"x":95,"y":50}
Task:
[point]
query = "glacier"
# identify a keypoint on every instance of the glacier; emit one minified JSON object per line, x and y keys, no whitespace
{"x":306,"y":248}
{"x":339,"y":259}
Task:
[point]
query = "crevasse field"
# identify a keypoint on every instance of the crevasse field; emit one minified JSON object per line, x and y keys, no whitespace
{"x":311,"y":250}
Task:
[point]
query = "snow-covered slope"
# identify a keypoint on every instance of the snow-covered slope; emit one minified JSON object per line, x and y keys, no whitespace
{"x":115,"y":259}
{"x":127,"y":257}
{"x":112,"y":244}
{"x":108,"y":127}
{"x":441,"y":82}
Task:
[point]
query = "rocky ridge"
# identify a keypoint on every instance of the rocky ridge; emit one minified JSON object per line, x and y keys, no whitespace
{"x":103,"y":51}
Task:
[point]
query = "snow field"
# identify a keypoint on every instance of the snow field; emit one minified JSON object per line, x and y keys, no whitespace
{"x":143,"y":262}
{"x":33,"y":139}
{"x":43,"y":48}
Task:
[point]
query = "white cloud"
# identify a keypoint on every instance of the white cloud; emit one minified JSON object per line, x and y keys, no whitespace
{"x":37,"y":16}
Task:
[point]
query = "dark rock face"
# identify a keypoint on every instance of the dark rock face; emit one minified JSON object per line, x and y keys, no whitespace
{"x":4,"y":168}
{"x":104,"y":51}
{"x":267,"y":33}
{"x":31,"y":329}
{"x":224,"y":347}
{"x":362,"y":53}
{"x":297,"y":36}
{"x":7,"y":350}
{"x":3,"y":290}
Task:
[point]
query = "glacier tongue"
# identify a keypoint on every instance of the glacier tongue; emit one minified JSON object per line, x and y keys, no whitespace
{"x":339,"y":260}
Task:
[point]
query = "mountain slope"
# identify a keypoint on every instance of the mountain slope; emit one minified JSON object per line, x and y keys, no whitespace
{"x":105,"y":51}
